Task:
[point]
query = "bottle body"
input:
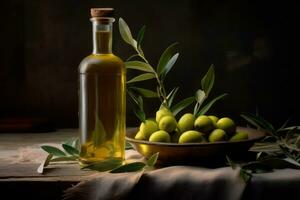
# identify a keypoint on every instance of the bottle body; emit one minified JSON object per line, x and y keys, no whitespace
{"x":102,"y":99}
{"x":102,"y":108}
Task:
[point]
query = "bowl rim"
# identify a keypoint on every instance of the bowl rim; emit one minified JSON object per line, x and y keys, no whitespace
{"x":260,"y":135}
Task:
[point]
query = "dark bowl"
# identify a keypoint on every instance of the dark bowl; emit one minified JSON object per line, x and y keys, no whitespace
{"x":173,"y":153}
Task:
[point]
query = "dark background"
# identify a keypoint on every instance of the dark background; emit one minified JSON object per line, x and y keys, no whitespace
{"x":252,"y":45}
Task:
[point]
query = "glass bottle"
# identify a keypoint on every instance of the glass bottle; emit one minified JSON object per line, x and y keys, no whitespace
{"x":102,"y":100}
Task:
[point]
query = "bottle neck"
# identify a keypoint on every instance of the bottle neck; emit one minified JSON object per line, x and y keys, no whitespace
{"x":102,"y":35}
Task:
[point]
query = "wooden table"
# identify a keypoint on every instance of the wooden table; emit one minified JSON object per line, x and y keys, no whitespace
{"x":18,"y":175}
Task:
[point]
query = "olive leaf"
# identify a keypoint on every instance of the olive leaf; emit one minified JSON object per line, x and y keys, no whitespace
{"x":53,"y":150}
{"x":169,"y":66}
{"x":44,"y":164}
{"x":142,"y":77}
{"x":209,"y":104}
{"x":181,"y":105}
{"x":126,"y":33}
{"x":140,"y":37}
{"x":131,"y":167}
{"x":165,"y":57}
{"x":144,"y":92}
{"x":138,"y":65}
{"x":128,"y":146}
{"x":171,"y":96}
{"x":152,"y":160}
{"x":200,"y":97}
{"x":70,"y":149}
{"x":208,"y":80}
{"x":103,"y":165}
{"x":131,"y":57}
{"x":258,"y":122}
{"x":138,"y":107}
{"x":65,"y":158}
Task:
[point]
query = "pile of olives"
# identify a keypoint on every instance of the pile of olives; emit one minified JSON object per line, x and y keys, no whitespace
{"x":188,"y":129}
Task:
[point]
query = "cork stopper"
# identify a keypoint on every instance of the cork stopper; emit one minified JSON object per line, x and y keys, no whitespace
{"x":102,"y":12}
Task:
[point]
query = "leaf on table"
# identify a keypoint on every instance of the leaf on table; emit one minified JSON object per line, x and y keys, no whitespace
{"x":209,"y":104}
{"x":53,"y":150}
{"x":131,"y":167}
{"x":257,"y":167}
{"x":128,"y":146}
{"x":181,"y":105}
{"x":126,"y":33}
{"x":44,"y":164}
{"x":142,"y":77}
{"x":144,"y":92}
{"x":64,"y":158}
{"x":169,"y":66}
{"x":152,"y":160}
{"x":165,"y":57}
{"x":139,"y":65}
{"x":246,"y":176}
{"x":208,"y":80}
{"x":70,"y":149}
{"x":103,"y":166}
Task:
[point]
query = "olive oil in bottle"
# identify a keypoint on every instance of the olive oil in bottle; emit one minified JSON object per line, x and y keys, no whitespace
{"x":102,"y":96}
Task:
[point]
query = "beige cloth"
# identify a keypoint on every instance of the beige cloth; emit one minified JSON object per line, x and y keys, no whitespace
{"x":176,"y":182}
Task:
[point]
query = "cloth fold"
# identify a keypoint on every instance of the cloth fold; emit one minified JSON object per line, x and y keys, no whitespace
{"x":177,"y":182}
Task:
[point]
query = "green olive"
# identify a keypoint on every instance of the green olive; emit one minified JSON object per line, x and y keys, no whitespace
{"x":167,"y":123}
{"x":186,"y":122}
{"x":160,"y":136}
{"x":214,"y":119}
{"x":140,"y":136}
{"x":227,"y":125}
{"x":191,"y":137}
{"x":161,"y":113}
{"x":147,"y":128}
{"x":240,"y":135}
{"x":204,"y":124}
{"x":217,"y":135}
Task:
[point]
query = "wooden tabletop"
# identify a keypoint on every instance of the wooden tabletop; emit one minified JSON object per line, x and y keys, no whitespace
{"x":20,"y":156}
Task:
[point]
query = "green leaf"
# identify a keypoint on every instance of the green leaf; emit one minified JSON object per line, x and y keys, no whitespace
{"x":140,"y":36}
{"x":138,"y":106}
{"x":246,"y":176}
{"x":128,"y":146}
{"x":182,"y":104}
{"x":142,"y":77}
{"x":126,"y":33}
{"x":44,"y":164}
{"x":258,"y":121}
{"x":152,"y":160}
{"x":99,"y":133}
{"x":131,"y":167}
{"x":169,"y":66}
{"x":103,"y":165}
{"x":171,"y":96}
{"x":130,"y":57}
{"x":64,"y":158}
{"x":138,"y":65}
{"x":165,"y":57}
{"x":70,"y":150}
{"x":231,"y":163}
{"x":140,"y":114}
{"x":145,"y":92}
{"x":53,"y":150}
{"x":208,"y":80}
{"x":209,"y":104}
{"x":257,"y":167}
{"x":200,"y":96}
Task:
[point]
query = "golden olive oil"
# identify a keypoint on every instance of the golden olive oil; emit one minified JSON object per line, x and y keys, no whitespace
{"x":102,"y":100}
